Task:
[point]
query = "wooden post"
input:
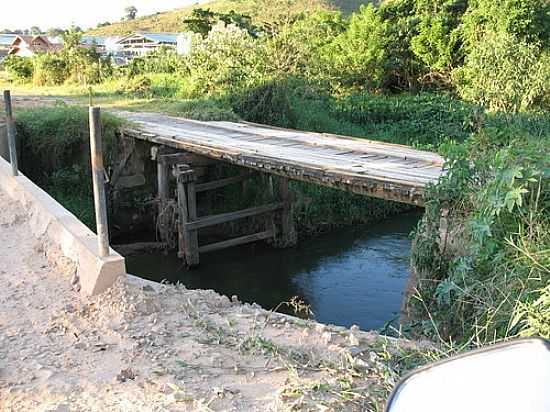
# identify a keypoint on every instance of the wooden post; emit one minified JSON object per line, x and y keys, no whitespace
{"x":187,"y":206}
{"x":162,"y":177}
{"x":10,"y":125}
{"x":98,"y":174}
{"x":288,"y":232}
{"x":192,"y":248}
{"x":163,"y":180}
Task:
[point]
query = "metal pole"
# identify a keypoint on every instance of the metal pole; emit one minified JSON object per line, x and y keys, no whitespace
{"x":11,"y":133}
{"x":98,"y":174}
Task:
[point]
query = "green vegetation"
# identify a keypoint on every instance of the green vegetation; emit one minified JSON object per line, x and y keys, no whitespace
{"x":55,"y":153}
{"x":73,"y":64}
{"x":470,"y":79}
{"x":483,"y":274}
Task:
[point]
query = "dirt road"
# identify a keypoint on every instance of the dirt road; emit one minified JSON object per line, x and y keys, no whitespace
{"x":141,"y":347}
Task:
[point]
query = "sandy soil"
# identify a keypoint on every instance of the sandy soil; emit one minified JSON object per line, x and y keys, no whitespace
{"x":143,"y":347}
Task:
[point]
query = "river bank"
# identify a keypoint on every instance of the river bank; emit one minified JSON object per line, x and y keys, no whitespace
{"x":158,"y":347}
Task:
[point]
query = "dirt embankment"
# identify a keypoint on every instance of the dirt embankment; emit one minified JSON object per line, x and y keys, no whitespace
{"x":143,"y":347}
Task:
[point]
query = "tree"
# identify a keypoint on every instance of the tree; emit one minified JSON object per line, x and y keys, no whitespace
{"x":35,"y":30}
{"x":131,"y":12}
{"x":202,"y":21}
{"x":55,"y":32}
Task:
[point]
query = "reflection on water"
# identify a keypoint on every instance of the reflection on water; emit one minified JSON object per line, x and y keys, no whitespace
{"x":352,"y":276}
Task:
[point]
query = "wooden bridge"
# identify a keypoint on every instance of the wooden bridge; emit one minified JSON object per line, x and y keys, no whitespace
{"x":387,"y":171}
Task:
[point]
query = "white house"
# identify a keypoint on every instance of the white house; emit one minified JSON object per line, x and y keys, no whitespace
{"x":140,"y":44}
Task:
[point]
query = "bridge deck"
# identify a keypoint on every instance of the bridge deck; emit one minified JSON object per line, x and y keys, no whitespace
{"x":378,"y":169}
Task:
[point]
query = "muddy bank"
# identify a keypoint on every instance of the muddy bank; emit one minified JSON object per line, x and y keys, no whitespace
{"x":144,"y":347}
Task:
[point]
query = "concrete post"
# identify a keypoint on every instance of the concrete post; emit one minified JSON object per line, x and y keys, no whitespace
{"x":98,"y":174}
{"x":10,"y":125}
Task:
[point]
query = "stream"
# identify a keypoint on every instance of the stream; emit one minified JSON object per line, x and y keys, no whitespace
{"x":352,"y":276}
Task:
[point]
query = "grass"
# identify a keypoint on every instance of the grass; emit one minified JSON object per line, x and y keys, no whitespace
{"x":172,"y":21}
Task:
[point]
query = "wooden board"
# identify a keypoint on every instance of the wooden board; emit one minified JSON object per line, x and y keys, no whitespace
{"x":383,"y":170}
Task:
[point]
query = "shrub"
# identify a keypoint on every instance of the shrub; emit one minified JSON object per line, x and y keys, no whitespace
{"x":505,"y":73}
{"x":49,"y":69}
{"x":55,"y":153}
{"x":138,"y":85}
{"x":360,"y":56}
{"x":482,"y":276}
{"x":205,"y":109}
{"x":19,"y":68}
{"x":526,"y":20}
{"x":268,"y":103}
{"x":227,"y":59}
{"x":299,"y":49}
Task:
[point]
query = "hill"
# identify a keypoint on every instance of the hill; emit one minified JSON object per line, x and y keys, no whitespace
{"x":259,"y":10}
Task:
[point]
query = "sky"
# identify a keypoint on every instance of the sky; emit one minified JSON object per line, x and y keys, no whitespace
{"x":84,"y":13}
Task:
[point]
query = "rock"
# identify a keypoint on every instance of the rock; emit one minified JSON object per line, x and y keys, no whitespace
{"x":125,"y":375}
{"x":69,"y":308}
{"x":355,"y":351}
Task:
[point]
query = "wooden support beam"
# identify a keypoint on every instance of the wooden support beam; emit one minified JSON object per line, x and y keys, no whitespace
{"x":185,"y":158}
{"x":163,"y":183}
{"x":228,"y":217}
{"x":217,"y":184}
{"x":187,"y":207}
{"x":237,"y":241}
{"x":192,"y":248}
{"x":288,"y":235}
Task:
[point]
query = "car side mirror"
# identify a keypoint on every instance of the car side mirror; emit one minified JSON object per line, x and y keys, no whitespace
{"x":508,"y":377}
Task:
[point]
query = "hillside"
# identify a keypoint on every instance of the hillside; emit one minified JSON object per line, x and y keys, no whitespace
{"x":260,"y":10}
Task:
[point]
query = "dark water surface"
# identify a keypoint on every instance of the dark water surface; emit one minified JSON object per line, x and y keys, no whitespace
{"x":352,"y":276}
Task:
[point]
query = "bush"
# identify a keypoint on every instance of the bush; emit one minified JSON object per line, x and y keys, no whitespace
{"x":360,"y":56}
{"x":483,"y":275}
{"x":426,"y":119}
{"x":206,"y":110}
{"x":505,"y":73}
{"x":19,"y":68}
{"x":300,"y":48}
{"x":50,"y":69}
{"x":55,"y":153}
{"x":268,"y":103}
{"x":228,"y":59}
{"x":138,"y":85}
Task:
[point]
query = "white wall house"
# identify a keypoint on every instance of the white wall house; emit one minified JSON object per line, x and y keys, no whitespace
{"x":140,"y":44}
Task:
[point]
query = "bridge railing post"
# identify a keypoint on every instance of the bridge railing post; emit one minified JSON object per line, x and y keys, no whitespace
{"x":10,"y":125}
{"x":98,"y":175}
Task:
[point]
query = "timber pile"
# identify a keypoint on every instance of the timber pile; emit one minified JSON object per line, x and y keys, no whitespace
{"x":382,"y":170}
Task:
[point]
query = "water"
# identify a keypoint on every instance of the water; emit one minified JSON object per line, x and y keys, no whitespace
{"x":351,"y":276}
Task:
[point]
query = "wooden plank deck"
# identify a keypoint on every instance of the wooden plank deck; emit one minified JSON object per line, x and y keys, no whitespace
{"x":367,"y":167}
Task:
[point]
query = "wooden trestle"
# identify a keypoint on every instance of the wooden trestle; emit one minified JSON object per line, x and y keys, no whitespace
{"x":186,"y":168}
